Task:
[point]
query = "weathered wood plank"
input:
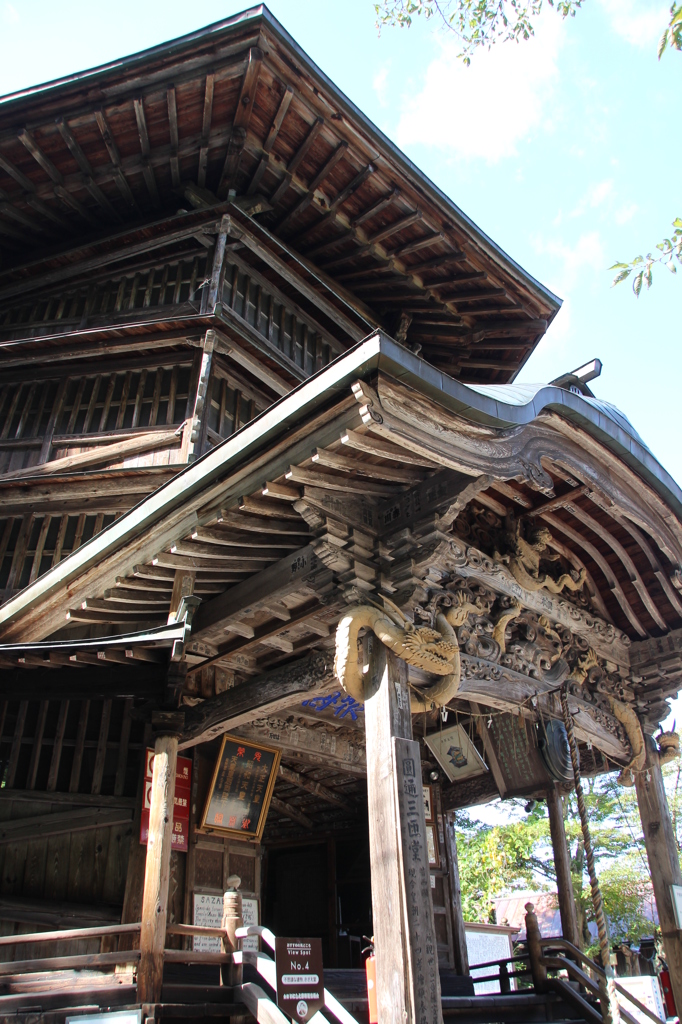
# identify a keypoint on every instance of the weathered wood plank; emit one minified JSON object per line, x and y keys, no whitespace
{"x":663,"y":857}
{"x":263,"y":695}
{"x":155,"y":899}
{"x":62,"y":822}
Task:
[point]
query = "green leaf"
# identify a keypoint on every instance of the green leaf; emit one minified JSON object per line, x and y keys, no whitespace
{"x":619,"y":266}
{"x":622,"y":276}
{"x":637,"y":283}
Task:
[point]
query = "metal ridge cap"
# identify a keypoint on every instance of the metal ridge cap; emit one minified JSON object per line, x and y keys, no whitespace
{"x":468,"y":402}
{"x":168,"y":632}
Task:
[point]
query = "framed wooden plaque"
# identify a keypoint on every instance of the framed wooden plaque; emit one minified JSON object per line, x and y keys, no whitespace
{"x":241,"y":788}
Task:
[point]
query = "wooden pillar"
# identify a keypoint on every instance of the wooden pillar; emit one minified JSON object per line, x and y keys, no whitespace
{"x":157,"y":870}
{"x":408,"y":984}
{"x":562,"y":864}
{"x":459,"y":938}
{"x":661,"y":852}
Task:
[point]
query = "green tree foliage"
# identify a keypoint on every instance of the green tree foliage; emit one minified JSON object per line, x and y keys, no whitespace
{"x":670,"y":253}
{"x":479,"y":23}
{"x":497,"y":860}
{"x":475,"y":22}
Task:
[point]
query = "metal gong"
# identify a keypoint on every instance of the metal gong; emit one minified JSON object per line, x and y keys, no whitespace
{"x":553,"y":745}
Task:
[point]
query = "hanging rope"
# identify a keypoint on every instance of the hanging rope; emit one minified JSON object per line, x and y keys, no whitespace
{"x":610,"y":1010}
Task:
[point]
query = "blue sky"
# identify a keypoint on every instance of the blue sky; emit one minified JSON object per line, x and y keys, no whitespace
{"x":566,"y":150}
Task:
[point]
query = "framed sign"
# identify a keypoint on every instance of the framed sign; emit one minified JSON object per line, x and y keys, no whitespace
{"x":241,"y":788}
{"x":432,"y":846}
{"x":455,"y":753}
{"x":428,"y":803}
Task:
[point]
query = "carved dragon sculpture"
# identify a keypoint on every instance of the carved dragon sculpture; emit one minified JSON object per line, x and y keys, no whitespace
{"x":434,"y":650}
{"x":668,"y":746}
{"x":623,"y":713}
{"x":633,"y":730}
{"x":525,"y":556}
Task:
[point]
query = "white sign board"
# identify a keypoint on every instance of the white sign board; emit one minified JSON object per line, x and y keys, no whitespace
{"x":482,"y":947}
{"x":676,"y":893}
{"x":250,"y":916}
{"x":118,"y":1017}
{"x":647,"y":990}
{"x":208,"y":912}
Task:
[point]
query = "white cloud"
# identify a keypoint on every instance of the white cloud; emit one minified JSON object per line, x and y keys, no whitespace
{"x":486,"y":109}
{"x":586,"y":254}
{"x":626,"y":213}
{"x":595,"y":197}
{"x":10,"y":14}
{"x":380,"y":85}
{"x":639,"y":22}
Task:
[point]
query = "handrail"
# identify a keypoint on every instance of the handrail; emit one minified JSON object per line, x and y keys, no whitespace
{"x":585,"y":1009}
{"x":561,"y":963}
{"x":598,"y":969}
{"x":260,"y":1005}
{"x":502,"y":960}
{"x":196,"y":929}
{"x":266,"y":967}
{"x":69,"y":963}
{"x":69,"y":933}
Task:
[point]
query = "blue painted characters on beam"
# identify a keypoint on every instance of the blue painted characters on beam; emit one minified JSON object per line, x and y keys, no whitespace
{"x":343,"y":705}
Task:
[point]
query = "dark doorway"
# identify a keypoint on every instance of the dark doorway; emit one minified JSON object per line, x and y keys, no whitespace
{"x":321,"y":890}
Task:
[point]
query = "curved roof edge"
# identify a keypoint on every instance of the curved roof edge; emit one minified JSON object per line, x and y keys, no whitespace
{"x":262,"y":13}
{"x":484,"y":405}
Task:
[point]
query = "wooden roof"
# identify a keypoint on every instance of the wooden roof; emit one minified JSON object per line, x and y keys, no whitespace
{"x":156,"y":143}
{"x":314,"y":502}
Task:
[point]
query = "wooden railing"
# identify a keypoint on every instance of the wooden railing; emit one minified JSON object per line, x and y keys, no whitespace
{"x":568,"y":963}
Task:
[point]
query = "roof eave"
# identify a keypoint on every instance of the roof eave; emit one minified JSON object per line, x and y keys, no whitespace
{"x":377,"y":352}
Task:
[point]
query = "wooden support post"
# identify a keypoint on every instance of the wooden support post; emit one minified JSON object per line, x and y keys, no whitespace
{"x":157,"y":870}
{"x":459,"y":938}
{"x":663,"y":859}
{"x":533,"y":942}
{"x":232,"y":920}
{"x":562,"y":864}
{"x":408,"y":984}
{"x":194,"y":436}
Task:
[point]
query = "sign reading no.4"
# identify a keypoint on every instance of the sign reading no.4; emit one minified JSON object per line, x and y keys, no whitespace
{"x":300,"y":984}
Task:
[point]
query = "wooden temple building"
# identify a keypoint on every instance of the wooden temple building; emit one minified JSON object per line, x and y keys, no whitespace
{"x":269,"y":494}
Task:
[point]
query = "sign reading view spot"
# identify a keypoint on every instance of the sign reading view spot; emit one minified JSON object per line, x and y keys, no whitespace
{"x":242,"y":785}
{"x":300,"y":984}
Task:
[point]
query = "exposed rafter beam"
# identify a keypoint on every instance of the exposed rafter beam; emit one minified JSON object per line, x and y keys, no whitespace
{"x":297,"y":159}
{"x":115,"y":157}
{"x":275,"y":127}
{"x":240,"y":121}
{"x":205,"y":128}
{"x":84,"y":164}
{"x":147,"y":169}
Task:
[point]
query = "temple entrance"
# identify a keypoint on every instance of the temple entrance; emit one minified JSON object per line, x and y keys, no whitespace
{"x":321,"y":890}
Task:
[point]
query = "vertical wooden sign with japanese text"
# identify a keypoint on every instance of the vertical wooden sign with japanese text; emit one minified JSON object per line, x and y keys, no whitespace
{"x":417,"y":906}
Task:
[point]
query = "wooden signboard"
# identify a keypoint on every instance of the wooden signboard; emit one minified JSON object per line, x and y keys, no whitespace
{"x":241,"y":788}
{"x":181,"y":802}
{"x":519,"y":759}
{"x":300,"y":983}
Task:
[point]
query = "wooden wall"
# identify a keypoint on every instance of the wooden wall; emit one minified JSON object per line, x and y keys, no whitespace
{"x":70,"y":779}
